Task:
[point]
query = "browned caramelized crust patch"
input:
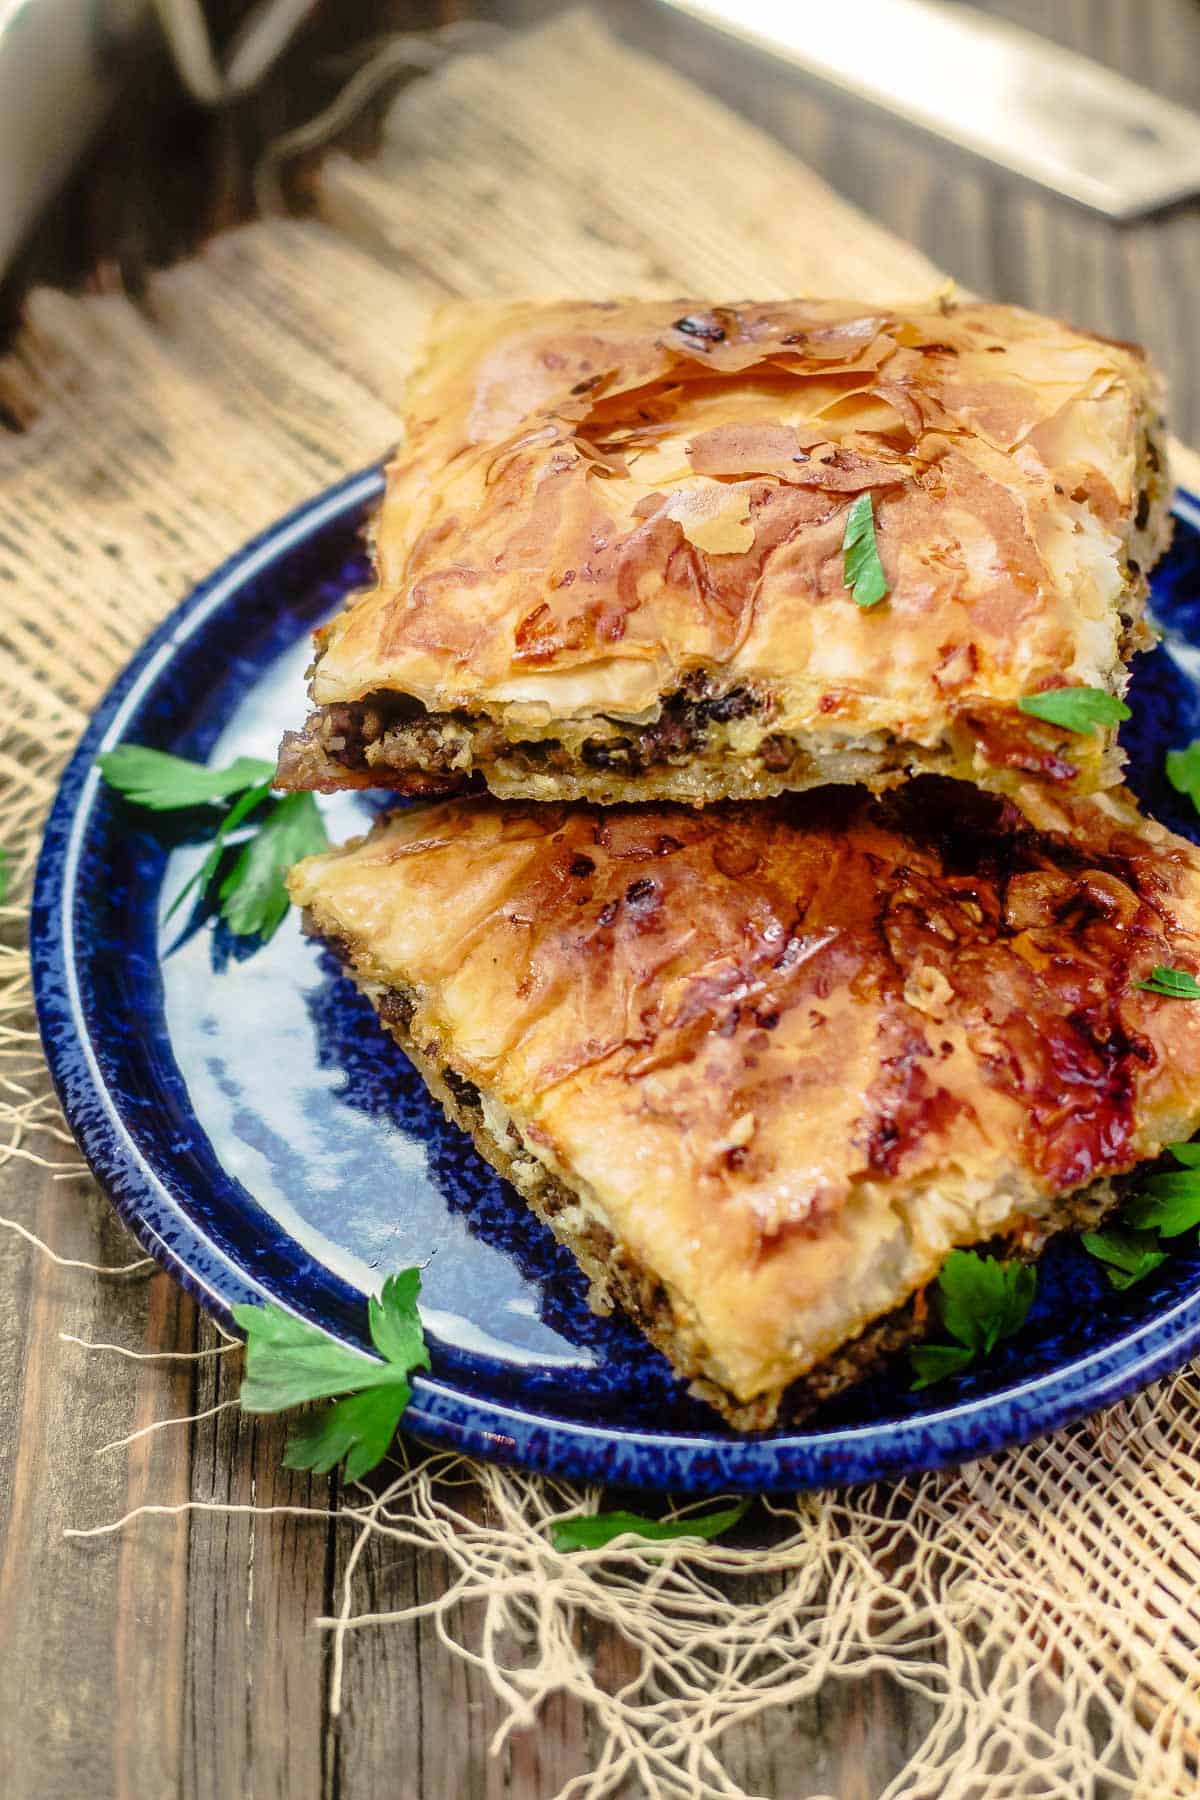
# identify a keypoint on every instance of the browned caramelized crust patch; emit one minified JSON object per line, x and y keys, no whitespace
{"x":763,"y":1067}
{"x":610,"y":566}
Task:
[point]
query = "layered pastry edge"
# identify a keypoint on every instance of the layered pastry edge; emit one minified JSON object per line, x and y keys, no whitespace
{"x":725,"y":728}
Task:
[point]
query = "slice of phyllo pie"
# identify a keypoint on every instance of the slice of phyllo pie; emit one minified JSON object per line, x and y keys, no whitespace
{"x":762,"y":1068}
{"x":635,"y":551}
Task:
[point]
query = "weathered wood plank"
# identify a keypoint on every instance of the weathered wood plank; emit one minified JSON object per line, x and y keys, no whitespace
{"x":91,"y":1651}
{"x":254,"y":1683}
{"x":411,"y":1704}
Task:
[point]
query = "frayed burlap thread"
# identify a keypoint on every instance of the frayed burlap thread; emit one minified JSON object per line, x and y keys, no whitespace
{"x":1041,"y":1607}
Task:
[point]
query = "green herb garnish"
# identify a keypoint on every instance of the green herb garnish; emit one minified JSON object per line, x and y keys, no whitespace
{"x":1079,"y":709}
{"x":252,"y":899}
{"x":3,"y":876}
{"x":242,"y":807}
{"x":980,"y":1300}
{"x":1183,"y":771}
{"x":862,"y":570}
{"x":1128,"y":1256}
{"x":1175,"y":984}
{"x":254,"y":896}
{"x":934,"y":1362}
{"x":1167,"y":1203}
{"x":588,"y":1531}
{"x":165,"y":783}
{"x":289,"y":1362}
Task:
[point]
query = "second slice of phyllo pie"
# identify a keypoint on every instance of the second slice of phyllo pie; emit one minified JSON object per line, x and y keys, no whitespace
{"x":764,"y":1068}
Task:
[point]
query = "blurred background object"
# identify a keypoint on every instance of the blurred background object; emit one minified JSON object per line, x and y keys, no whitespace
{"x":260,"y":39}
{"x":60,"y":64}
{"x":64,"y":62}
{"x":984,"y":83}
{"x":218,"y":92}
{"x":1006,"y":93}
{"x":130,"y":130}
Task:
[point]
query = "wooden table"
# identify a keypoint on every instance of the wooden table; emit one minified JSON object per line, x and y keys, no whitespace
{"x":179,"y":1658}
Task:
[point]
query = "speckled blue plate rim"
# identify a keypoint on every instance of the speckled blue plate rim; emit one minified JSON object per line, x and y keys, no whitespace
{"x":440,"y":1413}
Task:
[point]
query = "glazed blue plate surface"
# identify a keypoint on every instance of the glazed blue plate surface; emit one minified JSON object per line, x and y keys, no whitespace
{"x":263,"y":1137}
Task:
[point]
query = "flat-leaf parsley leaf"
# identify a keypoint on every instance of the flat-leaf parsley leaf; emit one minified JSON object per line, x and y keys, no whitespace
{"x":165,"y":783}
{"x":199,"y":882}
{"x":358,"y":1429}
{"x":980,"y":1300}
{"x":1128,"y":1256}
{"x":289,"y":1361}
{"x":1167,"y":1203}
{"x":1173,"y":984}
{"x":252,"y":898}
{"x":862,"y":570}
{"x":1183,"y":771}
{"x":588,"y":1531}
{"x":253,"y":895}
{"x":934,"y":1362}
{"x":395,"y":1323}
{"x":1078,"y":709}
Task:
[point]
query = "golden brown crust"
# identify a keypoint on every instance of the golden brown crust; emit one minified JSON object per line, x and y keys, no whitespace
{"x":598,"y":507}
{"x":789,"y":1055}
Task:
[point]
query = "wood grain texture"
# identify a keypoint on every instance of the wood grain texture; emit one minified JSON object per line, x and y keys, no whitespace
{"x":180,"y":1659}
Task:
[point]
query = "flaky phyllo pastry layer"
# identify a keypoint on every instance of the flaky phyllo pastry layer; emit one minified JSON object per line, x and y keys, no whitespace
{"x":610,"y":557}
{"x":763,"y":1067}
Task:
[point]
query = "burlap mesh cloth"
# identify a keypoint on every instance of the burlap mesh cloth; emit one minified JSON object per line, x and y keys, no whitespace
{"x":1045,"y":1602}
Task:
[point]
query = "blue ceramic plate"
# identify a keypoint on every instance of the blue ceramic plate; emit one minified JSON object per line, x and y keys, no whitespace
{"x":264,"y":1138}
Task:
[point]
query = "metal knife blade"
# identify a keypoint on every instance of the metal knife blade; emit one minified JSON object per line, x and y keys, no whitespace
{"x":994,"y":88}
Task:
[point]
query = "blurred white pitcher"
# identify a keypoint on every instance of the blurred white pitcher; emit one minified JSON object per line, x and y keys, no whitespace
{"x":61,"y":67}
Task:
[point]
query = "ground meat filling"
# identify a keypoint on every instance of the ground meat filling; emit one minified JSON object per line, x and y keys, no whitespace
{"x":390,"y":740}
{"x":681,"y":731}
{"x":392,"y":735}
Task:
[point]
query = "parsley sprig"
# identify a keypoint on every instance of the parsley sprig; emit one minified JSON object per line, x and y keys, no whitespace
{"x":1183,"y":771}
{"x":1168,"y":1204}
{"x":1173,"y":984}
{"x":1165,"y":1205}
{"x":862,"y":571}
{"x":1128,"y":1256}
{"x":1078,"y":709}
{"x":166,"y":783}
{"x":590,"y":1531}
{"x":251,"y":897}
{"x":980,"y":1299}
{"x":289,"y":1361}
